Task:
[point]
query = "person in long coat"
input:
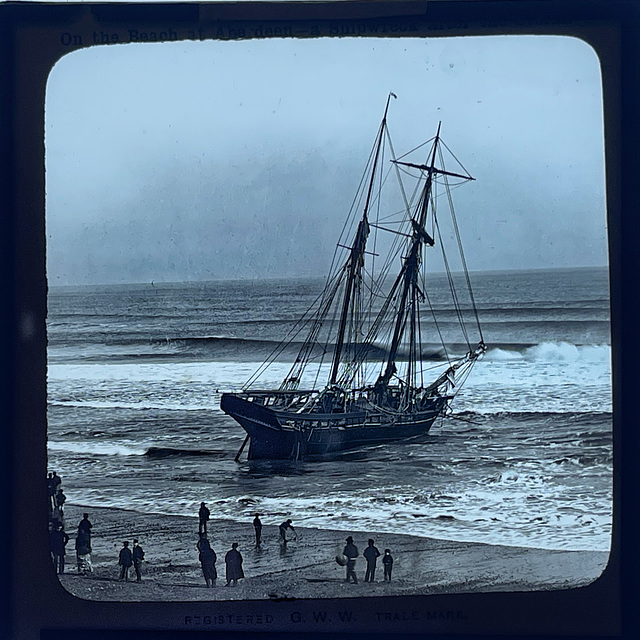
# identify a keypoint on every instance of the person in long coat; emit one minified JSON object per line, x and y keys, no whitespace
{"x":83,"y":552}
{"x":351,"y":552}
{"x":371,"y":554}
{"x":233,"y":561}
{"x":125,"y":560}
{"x":207,"y":559}
{"x":57,"y":541}
{"x":83,"y":545}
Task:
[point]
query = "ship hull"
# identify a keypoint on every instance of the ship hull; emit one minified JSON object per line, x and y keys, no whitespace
{"x":281,"y":435}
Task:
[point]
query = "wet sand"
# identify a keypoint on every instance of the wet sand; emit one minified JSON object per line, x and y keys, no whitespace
{"x":304,"y":568}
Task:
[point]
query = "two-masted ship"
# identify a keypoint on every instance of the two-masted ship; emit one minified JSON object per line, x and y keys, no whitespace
{"x":366,"y":372}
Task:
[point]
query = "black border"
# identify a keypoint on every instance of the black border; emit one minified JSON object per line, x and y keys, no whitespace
{"x":32,"y":38}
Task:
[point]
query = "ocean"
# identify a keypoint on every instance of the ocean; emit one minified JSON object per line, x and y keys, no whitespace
{"x":135,"y":374}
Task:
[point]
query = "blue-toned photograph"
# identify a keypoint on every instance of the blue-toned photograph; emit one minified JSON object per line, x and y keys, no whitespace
{"x":327,"y":318}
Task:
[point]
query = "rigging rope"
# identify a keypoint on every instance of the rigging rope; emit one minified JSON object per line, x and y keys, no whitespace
{"x":452,"y":288}
{"x":464,"y":262}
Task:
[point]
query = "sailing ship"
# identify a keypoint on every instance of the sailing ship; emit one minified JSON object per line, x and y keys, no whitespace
{"x":364,"y":373}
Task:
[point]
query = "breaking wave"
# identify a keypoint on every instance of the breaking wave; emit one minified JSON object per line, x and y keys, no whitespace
{"x":549,"y":352}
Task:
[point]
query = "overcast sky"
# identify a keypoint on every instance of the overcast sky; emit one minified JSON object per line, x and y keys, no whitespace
{"x":211,"y":160}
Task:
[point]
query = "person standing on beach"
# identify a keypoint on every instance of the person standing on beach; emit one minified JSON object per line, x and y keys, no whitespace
{"x":257,"y":525}
{"x":83,"y":550}
{"x":203,"y":514}
{"x":60,"y":500}
{"x":283,"y":531}
{"x":125,"y":561}
{"x":351,"y":552}
{"x":52,"y":492}
{"x":371,"y":554}
{"x":85,"y":526}
{"x":233,"y":561}
{"x":207,"y":557}
{"x":387,"y":561}
{"x":83,"y":545}
{"x":56,"y":481}
{"x":57,"y":542}
{"x":138,"y":557}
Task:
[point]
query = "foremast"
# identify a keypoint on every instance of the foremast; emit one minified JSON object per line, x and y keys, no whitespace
{"x":356,"y":256}
{"x":350,"y":285}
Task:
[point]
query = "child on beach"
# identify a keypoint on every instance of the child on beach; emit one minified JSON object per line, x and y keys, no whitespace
{"x":387,"y":561}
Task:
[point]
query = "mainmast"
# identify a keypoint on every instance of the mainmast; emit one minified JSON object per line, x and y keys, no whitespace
{"x":356,"y":257}
{"x":409,"y":272}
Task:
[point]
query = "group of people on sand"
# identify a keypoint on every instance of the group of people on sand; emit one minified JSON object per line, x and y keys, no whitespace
{"x":58,"y":537}
{"x":371,"y":555}
{"x":56,"y":501}
{"x":233,"y":559}
{"x":133,"y":557}
{"x":208,"y":558}
{"x":130,"y":557}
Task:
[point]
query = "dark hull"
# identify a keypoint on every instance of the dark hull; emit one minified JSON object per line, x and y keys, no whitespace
{"x":281,"y":435}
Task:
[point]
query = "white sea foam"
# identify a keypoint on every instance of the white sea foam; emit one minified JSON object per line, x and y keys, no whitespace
{"x":547,"y":378}
{"x":553,"y":352}
{"x":214,"y":405}
{"x":183,"y":372}
{"x":97,"y":448}
{"x":480,"y":515}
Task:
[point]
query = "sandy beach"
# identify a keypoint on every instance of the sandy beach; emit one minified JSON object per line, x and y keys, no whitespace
{"x":306,"y":567}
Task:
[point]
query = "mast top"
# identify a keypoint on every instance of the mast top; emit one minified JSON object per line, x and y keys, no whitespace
{"x":386,"y":109}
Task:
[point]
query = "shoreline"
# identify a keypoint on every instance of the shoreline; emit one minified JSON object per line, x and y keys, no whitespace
{"x":306,"y":568}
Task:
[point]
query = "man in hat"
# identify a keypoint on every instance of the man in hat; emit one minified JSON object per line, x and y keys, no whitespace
{"x":125,"y":561}
{"x":351,"y":552}
{"x":371,"y":554}
{"x":233,"y":561}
